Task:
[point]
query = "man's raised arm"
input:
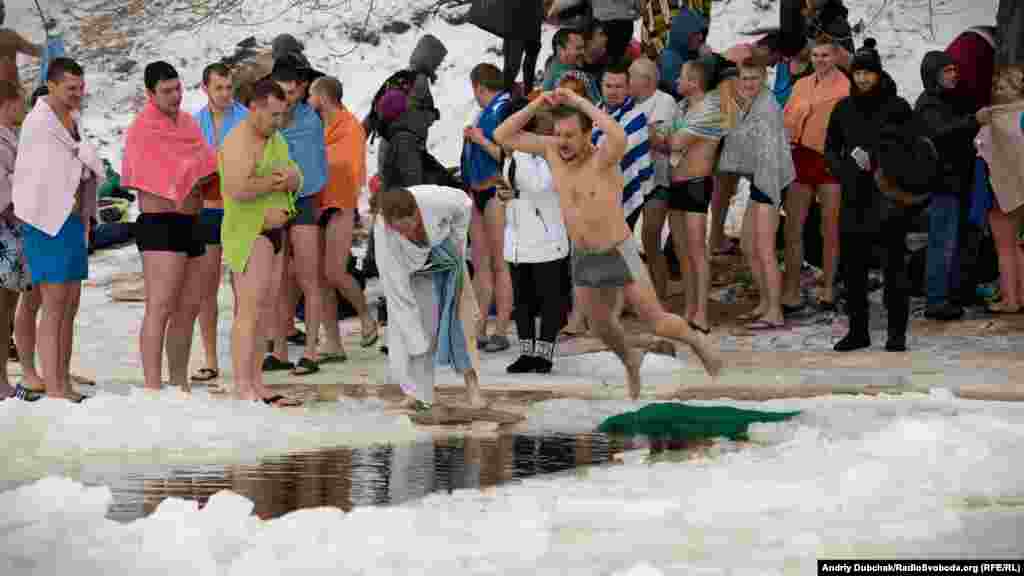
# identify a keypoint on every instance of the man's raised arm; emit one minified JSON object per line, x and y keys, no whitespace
{"x":510,"y":133}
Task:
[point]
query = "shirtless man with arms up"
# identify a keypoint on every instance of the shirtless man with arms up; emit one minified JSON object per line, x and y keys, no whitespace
{"x":12,"y":44}
{"x":606,"y":261}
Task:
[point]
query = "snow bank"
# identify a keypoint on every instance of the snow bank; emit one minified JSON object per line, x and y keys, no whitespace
{"x":169,"y":428}
{"x":851,"y":477}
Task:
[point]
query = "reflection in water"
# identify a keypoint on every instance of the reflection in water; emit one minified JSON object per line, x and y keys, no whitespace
{"x":377,"y":475}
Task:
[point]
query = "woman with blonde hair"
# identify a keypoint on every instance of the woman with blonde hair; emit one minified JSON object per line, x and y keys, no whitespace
{"x":756,"y":149}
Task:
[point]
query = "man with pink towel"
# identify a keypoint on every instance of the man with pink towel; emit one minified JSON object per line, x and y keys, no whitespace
{"x":54,"y":195}
{"x":166,"y":159}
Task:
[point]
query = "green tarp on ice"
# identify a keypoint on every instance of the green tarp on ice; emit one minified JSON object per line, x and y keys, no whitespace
{"x":671,"y":420}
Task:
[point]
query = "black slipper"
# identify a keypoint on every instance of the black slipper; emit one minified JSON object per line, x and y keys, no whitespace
{"x":694,"y":326}
{"x":288,"y":402}
{"x":788,"y":310}
{"x":305,"y":366}
{"x":275,"y":364}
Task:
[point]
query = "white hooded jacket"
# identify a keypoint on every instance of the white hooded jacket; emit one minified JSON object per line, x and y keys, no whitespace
{"x":534,"y":229}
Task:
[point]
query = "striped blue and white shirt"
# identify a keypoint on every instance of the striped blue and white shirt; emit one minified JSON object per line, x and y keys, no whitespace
{"x":636,"y":165}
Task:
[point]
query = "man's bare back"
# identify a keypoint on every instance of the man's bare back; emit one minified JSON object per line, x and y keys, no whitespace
{"x":591,"y":199}
{"x":12,"y":44}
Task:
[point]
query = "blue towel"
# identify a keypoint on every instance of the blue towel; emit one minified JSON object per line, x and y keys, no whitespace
{"x":54,"y":49}
{"x":477,"y":165}
{"x":306,"y":147}
{"x":982,"y":196}
{"x":233,"y":117}
{"x":448,"y":270}
{"x":783,"y":83}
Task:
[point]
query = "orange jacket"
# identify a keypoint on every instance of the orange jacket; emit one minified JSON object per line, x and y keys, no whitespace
{"x":810,"y":106}
{"x":346,"y":162}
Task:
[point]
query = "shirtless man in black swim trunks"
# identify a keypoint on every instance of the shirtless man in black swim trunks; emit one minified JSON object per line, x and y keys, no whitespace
{"x":606,"y":260}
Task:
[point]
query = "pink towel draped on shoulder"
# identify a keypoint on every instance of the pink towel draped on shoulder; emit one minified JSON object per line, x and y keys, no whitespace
{"x":48,"y":171}
{"x":1001,"y":144}
{"x":164,"y":157}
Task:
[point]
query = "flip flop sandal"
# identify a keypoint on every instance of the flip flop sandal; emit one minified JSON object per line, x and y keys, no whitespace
{"x":217,"y":389}
{"x":765,"y":325}
{"x":694,"y":326}
{"x":305,"y":366}
{"x":371,"y":338}
{"x":997,"y":308}
{"x":275,"y":364}
{"x":789,"y":310}
{"x":77,"y":399}
{"x":333,"y":358}
{"x":749,"y":317}
{"x":82,"y":380}
{"x":205,"y":375}
{"x":279,"y":401}
{"x":827,"y":306}
{"x":27,"y":394}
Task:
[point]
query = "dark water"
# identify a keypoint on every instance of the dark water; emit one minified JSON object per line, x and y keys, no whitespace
{"x":372,"y":476}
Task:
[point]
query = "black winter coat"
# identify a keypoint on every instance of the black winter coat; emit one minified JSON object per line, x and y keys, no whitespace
{"x":950,"y":123}
{"x":858,"y":121}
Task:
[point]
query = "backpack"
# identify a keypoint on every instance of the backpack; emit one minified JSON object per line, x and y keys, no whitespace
{"x":401,"y":82}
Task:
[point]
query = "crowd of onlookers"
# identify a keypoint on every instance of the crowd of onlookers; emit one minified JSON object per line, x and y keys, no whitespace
{"x":831,"y":128}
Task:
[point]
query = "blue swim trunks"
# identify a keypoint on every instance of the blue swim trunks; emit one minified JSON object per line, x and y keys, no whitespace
{"x":59,"y":259}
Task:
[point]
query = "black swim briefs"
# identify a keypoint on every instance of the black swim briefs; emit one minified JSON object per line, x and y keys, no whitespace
{"x":169,"y":232}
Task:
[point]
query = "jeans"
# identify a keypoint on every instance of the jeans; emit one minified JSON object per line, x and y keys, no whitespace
{"x":942,"y":274}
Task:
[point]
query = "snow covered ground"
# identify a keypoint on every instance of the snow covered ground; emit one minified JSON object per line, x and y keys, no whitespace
{"x":892,"y":476}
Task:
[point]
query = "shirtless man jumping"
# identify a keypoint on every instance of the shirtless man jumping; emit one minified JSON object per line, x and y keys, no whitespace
{"x":12,"y":44}
{"x":606,"y":262}
{"x":165,"y":159}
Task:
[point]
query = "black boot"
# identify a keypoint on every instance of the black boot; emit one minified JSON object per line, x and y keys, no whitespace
{"x":526,"y":362}
{"x":543,"y":362}
{"x":858,"y":337}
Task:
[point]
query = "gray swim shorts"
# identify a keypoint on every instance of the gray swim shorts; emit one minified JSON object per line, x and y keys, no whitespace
{"x":615,"y":267}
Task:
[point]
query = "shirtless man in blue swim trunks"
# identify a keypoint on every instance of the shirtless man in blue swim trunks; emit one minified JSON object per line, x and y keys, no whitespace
{"x":606,"y":262}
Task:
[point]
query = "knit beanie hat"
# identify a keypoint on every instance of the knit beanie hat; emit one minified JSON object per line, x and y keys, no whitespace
{"x":867,"y":58}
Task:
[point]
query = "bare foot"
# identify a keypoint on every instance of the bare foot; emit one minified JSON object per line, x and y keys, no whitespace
{"x":5,"y":390}
{"x":708,"y":357}
{"x":636,"y":359}
{"x":474,"y":397}
{"x":407,"y":403}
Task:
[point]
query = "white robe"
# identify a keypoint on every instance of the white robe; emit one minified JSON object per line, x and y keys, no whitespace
{"x":413,"y":310}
